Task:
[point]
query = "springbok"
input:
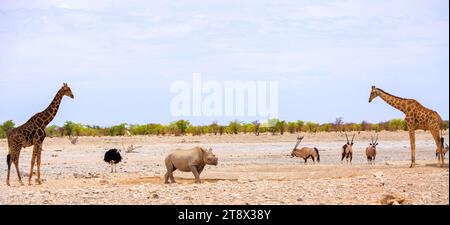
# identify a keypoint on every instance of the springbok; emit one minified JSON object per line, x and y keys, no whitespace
{"x":371,"y":151}
{"x":305,"y":152}
{"x":347,"y":150}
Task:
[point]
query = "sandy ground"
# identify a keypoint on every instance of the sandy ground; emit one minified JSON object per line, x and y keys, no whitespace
{"x":252,"y":170}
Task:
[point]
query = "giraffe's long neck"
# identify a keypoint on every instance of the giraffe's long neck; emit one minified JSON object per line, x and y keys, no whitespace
{"x":50,"y":112}
{"x":394,"y":101}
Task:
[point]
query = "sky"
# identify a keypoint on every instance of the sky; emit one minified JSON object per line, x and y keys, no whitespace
{"x":121,"y":57}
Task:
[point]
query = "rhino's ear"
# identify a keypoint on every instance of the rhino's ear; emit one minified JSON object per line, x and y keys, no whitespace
{"x":210,"y":149}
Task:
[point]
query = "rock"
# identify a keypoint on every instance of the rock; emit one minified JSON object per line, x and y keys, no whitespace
{"x":243,"y":180}
{"x":88,"y":176}
{"x":391,"y":200}
{"x":300,"y":199}
{"x":103,"y":181}
{"x":378,"y":175}
{"x":155,"y":196}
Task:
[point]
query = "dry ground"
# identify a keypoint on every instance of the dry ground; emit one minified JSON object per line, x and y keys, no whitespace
{"x":251,"y":170}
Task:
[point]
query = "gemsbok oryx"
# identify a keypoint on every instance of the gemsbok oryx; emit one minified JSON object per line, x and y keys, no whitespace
{"x":347,"y":150}
{"x":305,"y":152}
{"x":371,"y":151}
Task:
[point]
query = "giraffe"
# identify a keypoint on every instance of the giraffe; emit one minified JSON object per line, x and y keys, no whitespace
{"x":417,"y":117}
{"x":33,"y":133}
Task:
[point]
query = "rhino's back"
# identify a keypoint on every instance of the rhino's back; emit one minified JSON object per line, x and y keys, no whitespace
{"x":181,"y":159}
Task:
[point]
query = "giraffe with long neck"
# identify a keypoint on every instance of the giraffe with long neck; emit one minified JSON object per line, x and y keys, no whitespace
{"x":32,"y":133}
{"x":417,"y":117}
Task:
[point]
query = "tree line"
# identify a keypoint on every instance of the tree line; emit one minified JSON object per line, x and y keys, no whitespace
{"x":184,"y":127}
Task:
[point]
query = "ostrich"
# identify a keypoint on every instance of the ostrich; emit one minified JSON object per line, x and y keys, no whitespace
{"x":113,"y":157}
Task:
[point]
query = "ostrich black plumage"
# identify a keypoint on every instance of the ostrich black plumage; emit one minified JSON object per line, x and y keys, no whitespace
{"x":113,"y":157}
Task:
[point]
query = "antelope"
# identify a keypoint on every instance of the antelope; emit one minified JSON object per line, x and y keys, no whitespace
{"x":371,"y":151}
{"x":305,"y":152}
{"x":347,"y":150}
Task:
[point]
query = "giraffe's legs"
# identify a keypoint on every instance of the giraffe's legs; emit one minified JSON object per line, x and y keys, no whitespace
{"x":412,"y":140}
{"x":8,"y":161}
{"x":440,"y":153}
{"x":33,"y":160}
{"x":15,"y":160}
{"x":38,"y":156}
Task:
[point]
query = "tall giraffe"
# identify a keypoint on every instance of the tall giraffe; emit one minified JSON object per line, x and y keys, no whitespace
{"x":33,"y":133}
{"x":417,"y":118}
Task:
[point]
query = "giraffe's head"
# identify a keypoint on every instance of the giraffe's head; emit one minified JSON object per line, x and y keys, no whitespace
{"x":67,"y":91}
{"x":373,"y":94}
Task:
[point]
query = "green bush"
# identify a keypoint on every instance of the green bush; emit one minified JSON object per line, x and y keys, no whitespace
{"x":2,"y":133}
{"x":118,"y":130}
{"x":234,"y":127}
{"x":281,"y":127}
{"x":291,"y":127}
{"x":181,"y":127}
{"x":311,"y":126}
{"x":397,"y":124}
{"x":6,"y":127}
{"x":326,"y":127}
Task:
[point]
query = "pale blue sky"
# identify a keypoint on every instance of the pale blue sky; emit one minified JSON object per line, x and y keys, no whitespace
{"x":120,"y":57}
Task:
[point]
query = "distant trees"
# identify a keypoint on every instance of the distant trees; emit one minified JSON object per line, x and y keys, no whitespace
{"x":234,"y":127}
{"x":397,"y":124}
{"x":118,"y":130}
{"x":444,"y":125}
{"x":338,"y":123}
{"x":184,"y":127}
{"x":271,"y":125}
{"x":256,"y":125}
{"x":300,"y":125}
{"x":292,"y":128}
{"x":215,"y":127}
{"x":311,"y":126}
{"x":281,"y":127}
{"x":326,"y":127}
{"x":6,"y":127}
